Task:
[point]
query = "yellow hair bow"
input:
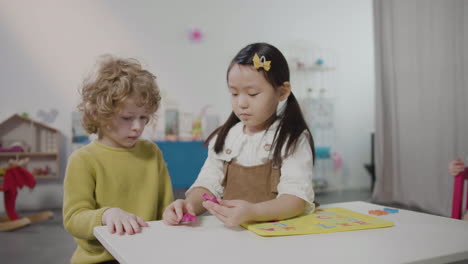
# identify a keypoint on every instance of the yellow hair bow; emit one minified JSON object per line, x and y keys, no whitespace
{"x":261,"y":62}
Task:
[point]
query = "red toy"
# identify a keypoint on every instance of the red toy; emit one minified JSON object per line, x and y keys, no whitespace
{"x":41,"y":171}
{"x":15,"y":178}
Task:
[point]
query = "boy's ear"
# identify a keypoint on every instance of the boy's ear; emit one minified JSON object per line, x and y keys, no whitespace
{"x":285,"y":90}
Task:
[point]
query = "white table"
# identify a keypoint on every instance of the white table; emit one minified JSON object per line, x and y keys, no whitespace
{"x":415,"y":238}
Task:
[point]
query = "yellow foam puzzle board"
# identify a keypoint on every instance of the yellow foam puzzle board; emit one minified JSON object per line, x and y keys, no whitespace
{"x":327,"y":220}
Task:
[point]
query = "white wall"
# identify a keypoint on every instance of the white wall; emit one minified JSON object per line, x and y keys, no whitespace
{"x":47,"y":48}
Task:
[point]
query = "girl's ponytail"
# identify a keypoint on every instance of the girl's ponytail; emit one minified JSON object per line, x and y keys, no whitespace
{"x":292,"y":125}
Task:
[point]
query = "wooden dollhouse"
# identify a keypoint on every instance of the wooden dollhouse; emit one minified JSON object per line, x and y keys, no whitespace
{"x":22,"y":137}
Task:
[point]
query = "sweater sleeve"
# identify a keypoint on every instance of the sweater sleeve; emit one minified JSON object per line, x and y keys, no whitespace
{"x":165,"y":193}
{"x":80,"y":212}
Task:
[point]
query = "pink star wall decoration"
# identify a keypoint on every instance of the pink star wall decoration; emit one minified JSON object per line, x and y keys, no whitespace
{"x":195,"y":35}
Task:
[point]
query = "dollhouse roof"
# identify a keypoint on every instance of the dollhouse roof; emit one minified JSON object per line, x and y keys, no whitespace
{"x":19,"y":118}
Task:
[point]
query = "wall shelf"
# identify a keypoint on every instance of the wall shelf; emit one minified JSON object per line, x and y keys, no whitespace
{"x":27,"y":154}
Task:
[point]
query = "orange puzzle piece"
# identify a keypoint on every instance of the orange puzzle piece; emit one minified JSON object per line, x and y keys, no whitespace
{"x":378,"y":212}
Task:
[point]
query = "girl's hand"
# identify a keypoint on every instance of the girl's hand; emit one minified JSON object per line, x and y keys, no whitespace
{"x":231,"y":212}
{"x":174,"y":212}
{"x":456,"y":166}
{"x":121,"y":222}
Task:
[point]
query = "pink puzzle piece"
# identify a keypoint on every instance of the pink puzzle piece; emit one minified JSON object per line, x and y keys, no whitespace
{"x":188,"y":218}
{"x":208,"y":197}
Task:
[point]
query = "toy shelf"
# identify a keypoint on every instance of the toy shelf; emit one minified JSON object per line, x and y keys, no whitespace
{"x":38,"y":142}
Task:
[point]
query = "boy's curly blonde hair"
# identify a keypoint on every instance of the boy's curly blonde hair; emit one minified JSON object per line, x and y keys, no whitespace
{"x":115,"y":80}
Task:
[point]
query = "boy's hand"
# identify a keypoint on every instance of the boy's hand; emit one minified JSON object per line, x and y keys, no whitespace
{"x":175,"y":211}
{"x":456,"y":166}
{"x":231,"y":212}
{"x":121,"y":222}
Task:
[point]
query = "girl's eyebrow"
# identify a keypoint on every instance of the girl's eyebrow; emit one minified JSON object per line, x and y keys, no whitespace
{"x":243,"y":88}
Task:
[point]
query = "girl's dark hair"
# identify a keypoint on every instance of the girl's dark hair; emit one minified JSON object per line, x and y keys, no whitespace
{"x":292,"y":122}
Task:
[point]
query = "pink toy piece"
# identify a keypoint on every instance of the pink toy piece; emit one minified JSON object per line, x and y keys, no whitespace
{"x":208,"y":197}
{"x":189,"y":218}
{"x":12,"y":149}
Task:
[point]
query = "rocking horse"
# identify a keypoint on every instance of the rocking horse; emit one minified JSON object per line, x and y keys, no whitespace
{"x":15,"y":178}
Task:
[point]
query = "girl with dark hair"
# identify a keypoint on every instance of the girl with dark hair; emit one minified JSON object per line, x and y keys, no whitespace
{"x":260,"y":160}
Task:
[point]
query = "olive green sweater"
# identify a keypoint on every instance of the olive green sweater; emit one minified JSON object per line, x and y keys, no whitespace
{"x":99,"y":177}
